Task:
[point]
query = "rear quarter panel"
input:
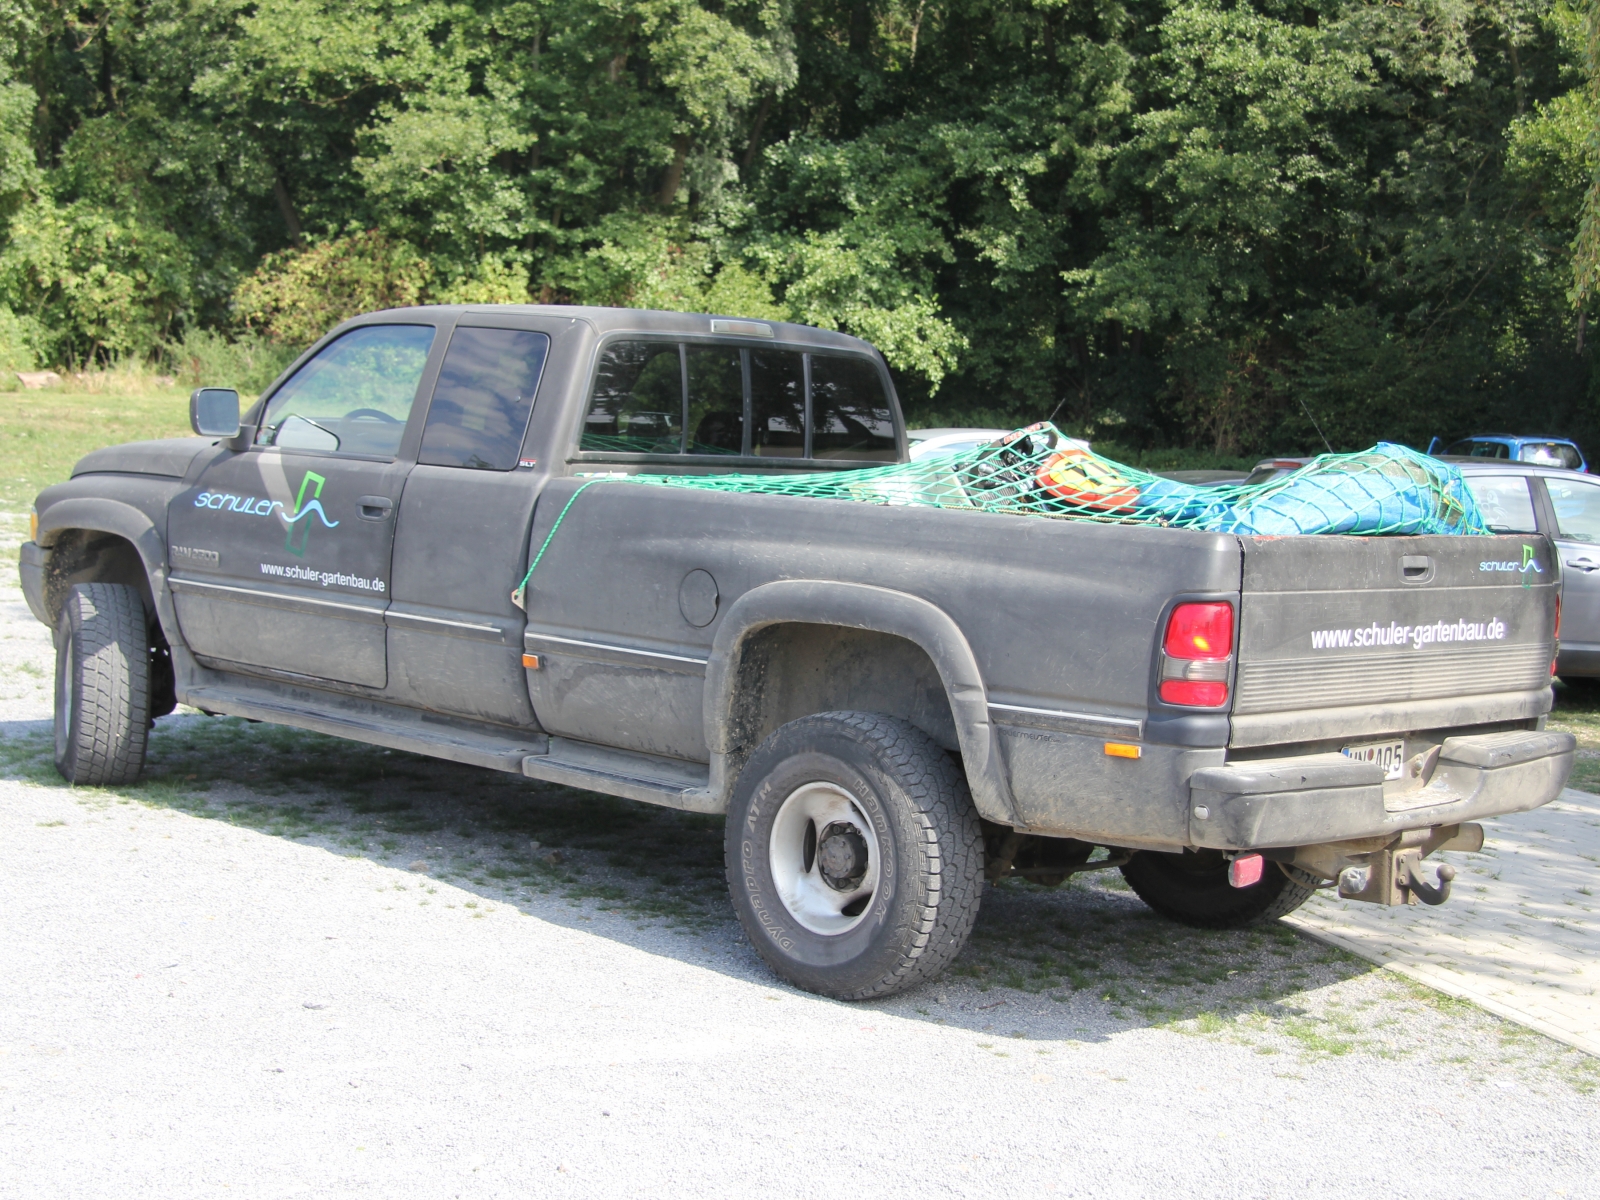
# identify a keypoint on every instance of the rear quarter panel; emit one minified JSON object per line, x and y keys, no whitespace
{"x":1060,"y":615}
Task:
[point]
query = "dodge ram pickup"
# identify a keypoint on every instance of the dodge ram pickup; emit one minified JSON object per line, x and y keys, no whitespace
{"x":890,"y":703}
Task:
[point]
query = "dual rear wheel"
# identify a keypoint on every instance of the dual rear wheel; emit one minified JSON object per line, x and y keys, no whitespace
{"x":855,"y":859}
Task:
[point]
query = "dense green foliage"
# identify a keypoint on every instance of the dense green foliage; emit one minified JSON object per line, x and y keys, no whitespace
{"x":1237,"y":225}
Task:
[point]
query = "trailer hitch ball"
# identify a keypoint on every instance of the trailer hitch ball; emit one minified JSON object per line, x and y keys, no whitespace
{"x":1425,"y":891}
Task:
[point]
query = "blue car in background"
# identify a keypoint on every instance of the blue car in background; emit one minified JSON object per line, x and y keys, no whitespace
{"x":1546,"y":451}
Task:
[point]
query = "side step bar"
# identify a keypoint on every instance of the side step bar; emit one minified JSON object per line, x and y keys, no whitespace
{"x":645,"y":777}
{"x":366,"y":721}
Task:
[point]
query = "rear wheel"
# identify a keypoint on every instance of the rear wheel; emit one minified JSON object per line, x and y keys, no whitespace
{"x":855,"y":860}
{"x":102,"y":711}
{"x":1192,"y":888}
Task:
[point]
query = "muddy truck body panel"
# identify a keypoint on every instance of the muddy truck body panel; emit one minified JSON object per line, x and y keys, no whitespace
{"x":666,"y":633}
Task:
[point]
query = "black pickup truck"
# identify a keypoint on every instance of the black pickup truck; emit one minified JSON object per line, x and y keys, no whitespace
{"x":889,"y":702}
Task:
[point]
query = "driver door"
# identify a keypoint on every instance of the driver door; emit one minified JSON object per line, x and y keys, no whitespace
{"x":279,"y":555}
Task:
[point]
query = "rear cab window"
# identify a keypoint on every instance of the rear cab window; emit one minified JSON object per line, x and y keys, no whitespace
{"x":720,"y":401}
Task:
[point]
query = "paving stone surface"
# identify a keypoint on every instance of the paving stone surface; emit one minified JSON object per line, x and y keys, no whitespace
{"x":1519,"y":936}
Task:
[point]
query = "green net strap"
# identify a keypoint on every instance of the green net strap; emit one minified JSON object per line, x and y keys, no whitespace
{"x":1038,"y":472}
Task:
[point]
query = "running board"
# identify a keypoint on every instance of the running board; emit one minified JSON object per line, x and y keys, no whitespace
{"x":371,"y":722}
{"x":666,"y":781}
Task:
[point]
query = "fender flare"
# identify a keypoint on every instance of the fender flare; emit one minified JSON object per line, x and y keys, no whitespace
{"x":881,"y":610}
{"x":132,"y":525}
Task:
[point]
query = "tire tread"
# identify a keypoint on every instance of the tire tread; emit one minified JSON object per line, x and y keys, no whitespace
{"x":108,"y":625}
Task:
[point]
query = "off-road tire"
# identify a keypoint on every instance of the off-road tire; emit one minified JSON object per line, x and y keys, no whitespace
{"x":1192,"y":888}
{"x":102,"y":710}
{"x":930,"y":843}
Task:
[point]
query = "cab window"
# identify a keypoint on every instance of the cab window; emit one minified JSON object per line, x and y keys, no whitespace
{"x":1577,"y":506}
{"x":777,"y":403}
{"x":716,"y":400}
{"x":728,"y":401}
{"x":484,"y":395}
{"x":1504,"y":501}
{"x":354,"y":397}
{"x":637,"y":405}
{"x":850,"y":414}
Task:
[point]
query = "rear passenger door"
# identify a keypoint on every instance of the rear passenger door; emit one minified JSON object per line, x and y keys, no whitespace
{"x":455,"y":638}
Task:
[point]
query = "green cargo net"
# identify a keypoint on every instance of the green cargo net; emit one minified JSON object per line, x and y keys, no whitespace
{"x":1037,"y":472}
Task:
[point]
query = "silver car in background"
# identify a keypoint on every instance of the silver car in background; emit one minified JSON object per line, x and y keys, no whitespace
{"x":1521,"y":497}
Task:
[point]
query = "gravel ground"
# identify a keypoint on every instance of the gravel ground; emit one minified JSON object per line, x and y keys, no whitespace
{"x":287,"y":965}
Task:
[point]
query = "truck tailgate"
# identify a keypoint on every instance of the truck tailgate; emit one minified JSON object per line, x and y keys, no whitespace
{"x":1346,"y":636}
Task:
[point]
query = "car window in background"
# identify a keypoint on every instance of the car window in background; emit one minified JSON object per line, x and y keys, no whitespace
{"x":716,"y":400}
{"x":1554,"y":454}
{"x":482,"y":400}
{"x":777,"y":403}
{"x":1504,"y":501}
{"x":850,"y":414}
{"x":637,"y":406}
{"x":1475,"y":449}
{"x":1577,"y":505}
{"x":354,"y":397}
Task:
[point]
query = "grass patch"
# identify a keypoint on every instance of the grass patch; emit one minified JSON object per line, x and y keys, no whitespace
{"x":43,"y":433}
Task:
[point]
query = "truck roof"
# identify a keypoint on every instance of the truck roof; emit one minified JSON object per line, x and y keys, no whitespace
{"x":638,"y":320}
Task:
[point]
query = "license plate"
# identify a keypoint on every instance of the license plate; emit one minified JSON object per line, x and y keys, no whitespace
{"x":1391,"y":756}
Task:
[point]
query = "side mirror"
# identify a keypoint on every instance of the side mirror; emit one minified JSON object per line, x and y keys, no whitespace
{"x":214,"y":412}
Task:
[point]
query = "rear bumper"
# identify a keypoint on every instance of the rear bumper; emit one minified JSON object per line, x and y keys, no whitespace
{"x":1328,"y":798}
{"x":30,"y":566}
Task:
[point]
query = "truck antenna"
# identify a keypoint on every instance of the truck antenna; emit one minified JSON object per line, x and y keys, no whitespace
{"x":1313,"y":421}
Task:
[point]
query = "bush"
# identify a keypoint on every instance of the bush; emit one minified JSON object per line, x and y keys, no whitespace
{"x":249,"y":362}
{"x":20,"y":343}
{"x":296,"y":296}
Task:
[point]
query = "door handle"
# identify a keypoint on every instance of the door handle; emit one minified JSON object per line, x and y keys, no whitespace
{"x":1583,"y":563}
{"x":374,"y":508}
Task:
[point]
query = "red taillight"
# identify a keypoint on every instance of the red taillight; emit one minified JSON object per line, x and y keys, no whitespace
{"x":1200,"y":632}
{"x":1197,"y":693}
{"x":1557,"y":635}
{"x":1198,"y":646}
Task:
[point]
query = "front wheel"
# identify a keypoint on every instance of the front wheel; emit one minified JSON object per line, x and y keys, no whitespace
{"x":1192,"y":888}
{"x":102,"y":685}
{"x":855,"y":858}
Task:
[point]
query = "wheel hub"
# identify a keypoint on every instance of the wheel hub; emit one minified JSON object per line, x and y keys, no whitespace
{"x":826,"y":858}
{"x":842,"y":856}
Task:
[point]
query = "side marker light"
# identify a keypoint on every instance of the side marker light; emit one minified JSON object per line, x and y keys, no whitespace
{"x":531,"y":661}
{"x":1123,"y":750}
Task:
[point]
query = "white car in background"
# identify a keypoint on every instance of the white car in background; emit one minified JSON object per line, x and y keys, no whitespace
{"x":925,"y":443}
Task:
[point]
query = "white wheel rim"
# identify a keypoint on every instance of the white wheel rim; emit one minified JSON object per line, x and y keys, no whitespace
{"x":818,"y":893}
